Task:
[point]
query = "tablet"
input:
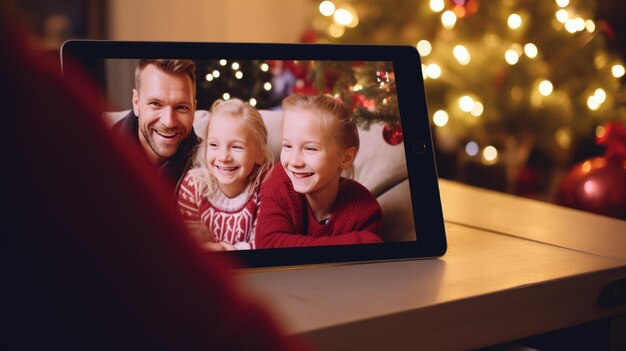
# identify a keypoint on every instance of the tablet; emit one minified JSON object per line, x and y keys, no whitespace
{"x":390,"y":209}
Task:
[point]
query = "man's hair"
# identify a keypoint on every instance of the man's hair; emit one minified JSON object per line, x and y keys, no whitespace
{"x":167,"y":65}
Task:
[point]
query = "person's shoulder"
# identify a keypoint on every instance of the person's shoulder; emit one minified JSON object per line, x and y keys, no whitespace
{"x":125,"y":124}
{"x":189,"y":182}
{"x":193,"y":138}
{"x":188,"y":148}
{"x":276,"y":175}
{"x":277,"y":184}
{"x":352,"y":187}
{"x":353,"y":195}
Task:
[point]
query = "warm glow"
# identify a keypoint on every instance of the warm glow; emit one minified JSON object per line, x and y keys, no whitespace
{"x":593,"y":103}
{"x":267,"y":86}
{"x":600,"y":60}
{"x":575,"y":25}
{"x":209,"y":77}
{"x":424,"y":71}
{"x":235,"y":66}
{"x":490,"y":155}
{"x":223,"y":62}
{"x":545,"y":88}
{"x":562,"y":15}
{"x":216,"y":74}
{"x":531,"y":50}
{"x":591,"y":186}
{"x":437,"y":5}
{"x":253,"y":101}
{"x":466,"y":103}
{"x":355,"y":20}
{"x":471,"y":148}
{"x":563,"y":137}
{"x":461,"y":54}
{"x":238,"y":75}
{"x":343,"y":17}
{"x":440,"y":118}
{"x":590,"y":26}
{"x":433,"y":70}
{"x":600,"y":94}
{"x":511,"y":56}
{"x":327,"y":8}
{"x":265,"y":67}
{"x":580,"y":24}
{"x":618,"y":71}
{"x":424,"y":48}
{"x":357,"y":87}
{"x":336,"y":30}
{"x":477,"y":109}
{"x":514,"y":21}
{"x":562,"y":3}
{"x":448,"y":19}
{"x":226,"y":96}
{"x":600,"y":130}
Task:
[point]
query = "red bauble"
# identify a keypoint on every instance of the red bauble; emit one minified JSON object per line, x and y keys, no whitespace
{"x":382,"y":76}
{"x":596,"y":185}
{"x":392,"y":133}
{"x":599,"y":184}
{"x":463,"y":8}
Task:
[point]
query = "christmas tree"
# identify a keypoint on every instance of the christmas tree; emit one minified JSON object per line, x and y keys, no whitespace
{"x":248,"y":80}
{"x":508,"y":82}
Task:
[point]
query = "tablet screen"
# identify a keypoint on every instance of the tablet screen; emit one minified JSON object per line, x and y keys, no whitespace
{"x":302,"y":158}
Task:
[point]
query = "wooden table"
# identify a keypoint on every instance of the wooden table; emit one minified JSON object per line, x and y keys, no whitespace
{"x":514,"y":268}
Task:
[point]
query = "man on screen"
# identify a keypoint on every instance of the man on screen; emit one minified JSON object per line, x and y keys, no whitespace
{"x":162,"y":117}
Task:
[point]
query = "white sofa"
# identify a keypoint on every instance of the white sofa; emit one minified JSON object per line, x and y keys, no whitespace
{"x":380,"y":167}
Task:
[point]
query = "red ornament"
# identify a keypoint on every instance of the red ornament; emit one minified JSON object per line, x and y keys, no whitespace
{"x":299,"y":70}
{"x":599,"y":184}
{"x":357,"y":100}
{"x":463,"y":8}
{"x":382,"y":76}
{"x":392,"y":133}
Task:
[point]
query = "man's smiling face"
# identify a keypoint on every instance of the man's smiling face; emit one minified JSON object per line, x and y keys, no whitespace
{"x":165,"y":105}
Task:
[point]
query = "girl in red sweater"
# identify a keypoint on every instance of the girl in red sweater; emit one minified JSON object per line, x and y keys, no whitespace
{"x":304,"y":200}
{"x":219,"y":196}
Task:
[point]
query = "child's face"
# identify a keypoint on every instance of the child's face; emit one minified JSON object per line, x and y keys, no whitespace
{"x":310,"y":157}
{"x":231,"y":153}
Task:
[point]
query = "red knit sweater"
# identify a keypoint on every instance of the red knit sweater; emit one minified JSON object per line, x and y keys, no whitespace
{"x":285,"y":218}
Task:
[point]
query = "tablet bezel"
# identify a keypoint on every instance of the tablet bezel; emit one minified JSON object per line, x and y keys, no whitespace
{"x":427,"y":212}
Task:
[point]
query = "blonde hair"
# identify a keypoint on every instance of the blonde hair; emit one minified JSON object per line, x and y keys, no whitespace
{"x":206,"y":184}
{"x":173,"y":66}
{"x":334,"y":117}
